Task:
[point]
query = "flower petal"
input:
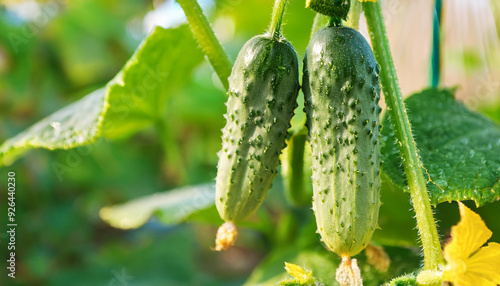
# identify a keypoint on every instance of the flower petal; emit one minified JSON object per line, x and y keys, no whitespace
{"x":467,"y":236}
{"x":300,"y":274}
{"x":471,"y":280}
{"x":486,"y":263}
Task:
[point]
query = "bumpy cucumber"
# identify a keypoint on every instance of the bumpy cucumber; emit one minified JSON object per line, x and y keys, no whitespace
{"x":263,"y":89}
{"x":342,"y":90}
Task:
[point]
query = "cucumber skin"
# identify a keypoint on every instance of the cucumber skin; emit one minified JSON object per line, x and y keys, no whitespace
{"x":342,"y":90}
{"x":263,"y":89}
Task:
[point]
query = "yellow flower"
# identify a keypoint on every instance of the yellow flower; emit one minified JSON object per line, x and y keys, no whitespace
{"x":367,"y":0}
{"x":301,"y":276}
{"x":469,"y":264}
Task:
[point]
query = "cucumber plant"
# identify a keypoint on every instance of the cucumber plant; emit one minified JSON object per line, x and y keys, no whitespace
{"x":263,"y":89}
{"x":341,"y":90}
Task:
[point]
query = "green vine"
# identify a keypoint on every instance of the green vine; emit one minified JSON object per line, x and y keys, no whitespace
{"x":207,"y":40}
{"x":406,"y":144}
{"x":277,"y":19}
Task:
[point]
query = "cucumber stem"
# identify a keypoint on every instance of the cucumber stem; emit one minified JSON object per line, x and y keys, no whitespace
{"x":171,"y":149}
{"x":296,"y":190}
{"x":277,"y":19}
{"x":208,"y":41}
{"x":320,"y":21}
{"x":337,"y":22}
{"x":402,"y":130}
{"x":354,"y":15}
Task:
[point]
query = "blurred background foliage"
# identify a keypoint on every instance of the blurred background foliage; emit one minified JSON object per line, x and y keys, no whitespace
{"x":54,"y":52}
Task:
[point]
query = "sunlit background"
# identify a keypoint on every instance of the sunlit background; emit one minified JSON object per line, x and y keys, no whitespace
{"x":54,"y":52}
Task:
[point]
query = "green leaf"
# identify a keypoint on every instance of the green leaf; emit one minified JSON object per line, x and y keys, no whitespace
{"x":396,"y":220}
{"x":272,"y":271}
{"x":138,"y":95}
{"x":173,"y":207}
{"x":193,"y":203}
{"x":133,"y":100}
{"x":459,"y":148}
{"x":75,"y":125}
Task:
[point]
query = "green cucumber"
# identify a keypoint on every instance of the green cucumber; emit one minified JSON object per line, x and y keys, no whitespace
{"x":342,"y":90}
{"x":263,"y":89}
{"x":296,"y":170}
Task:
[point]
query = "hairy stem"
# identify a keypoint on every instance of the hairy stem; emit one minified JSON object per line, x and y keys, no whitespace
{"x":406,"y":144}
{"x":207,"y":40}
{"x":277,"y":19}
{"x":354,"y":15}
{"x":320,"y":21}
{"x":172,"y":152}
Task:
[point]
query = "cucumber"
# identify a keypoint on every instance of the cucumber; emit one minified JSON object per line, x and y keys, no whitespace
{"x":296,"y":170}
{"x":342,"y":90}
{"x":263,"y":89}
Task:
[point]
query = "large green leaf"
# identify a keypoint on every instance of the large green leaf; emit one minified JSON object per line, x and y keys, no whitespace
{"x":172,"y":207}
{"x":459,"y":148}
{"x":192,"y":203}
{"x":134,"y":99}
{"x":74,"y":125}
